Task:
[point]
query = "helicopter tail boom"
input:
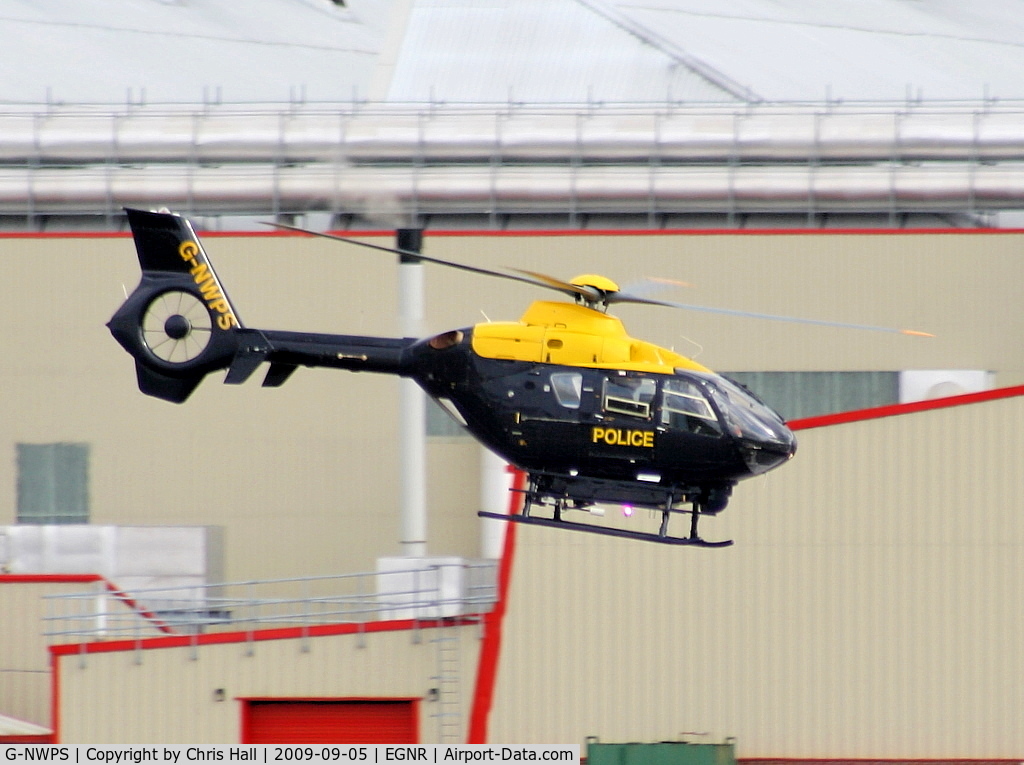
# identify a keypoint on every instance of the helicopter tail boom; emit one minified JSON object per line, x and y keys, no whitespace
{"x":179,"y":323}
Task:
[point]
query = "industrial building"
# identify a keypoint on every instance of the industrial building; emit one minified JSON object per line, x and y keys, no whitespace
{"x":238,"y":569}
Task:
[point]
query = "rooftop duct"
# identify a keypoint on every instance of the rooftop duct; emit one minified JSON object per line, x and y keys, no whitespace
{"x":398,"y":193}
{"x":396,"y":163}
{"x":217,"y":135}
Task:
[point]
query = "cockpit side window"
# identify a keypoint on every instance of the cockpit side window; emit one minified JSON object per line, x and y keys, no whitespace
{"x":629,"y":395}
{"x":684,"y":406}
{"x":568,"y":388}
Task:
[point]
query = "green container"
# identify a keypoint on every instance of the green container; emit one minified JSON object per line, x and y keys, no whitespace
{"x":664,"y":753}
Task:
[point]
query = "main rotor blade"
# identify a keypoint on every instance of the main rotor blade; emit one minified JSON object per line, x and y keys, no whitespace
{"x":399,"y":251}
{"x":639,"y":292}
{"x":633,"y":293}
{"x":644,"y":290}
{"x":591,"y":294}
{"x":792,"y":319}
{"x":543,"y":280}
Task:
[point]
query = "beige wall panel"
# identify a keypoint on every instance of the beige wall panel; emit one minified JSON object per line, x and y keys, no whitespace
{"x":24,"y":661}
{"x":24,"y":665}
{"x":453,"y":494}
{"x":303,"y":478}
{"x":869,"y":608}
{"x":166,"y":696}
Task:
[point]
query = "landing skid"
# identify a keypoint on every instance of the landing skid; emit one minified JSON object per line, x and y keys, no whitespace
{"x":605,"y":530}
{"x":577,"y":493}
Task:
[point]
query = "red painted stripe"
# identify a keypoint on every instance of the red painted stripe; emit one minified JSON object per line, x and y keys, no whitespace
{"x":144,"y":613}
{"x":838,"y":761}
{"x":64,"y":235}
{"x":516,"y":232}
{"x":134,"y":606}
{"x":49,"y":578}
{"x":87,"y":579}
{"x":554,"y":232}
{"x":490,"y":649}
{"x":894,"y":410}
{"x":55,"y":698}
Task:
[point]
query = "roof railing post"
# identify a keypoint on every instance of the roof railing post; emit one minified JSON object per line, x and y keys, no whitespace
{"x":253,"y":616}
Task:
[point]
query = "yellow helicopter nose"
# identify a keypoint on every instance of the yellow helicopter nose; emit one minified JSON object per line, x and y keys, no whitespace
{"x":602,"y":283}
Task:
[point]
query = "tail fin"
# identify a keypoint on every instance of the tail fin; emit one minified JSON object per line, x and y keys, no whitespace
{"x":178,"y":324}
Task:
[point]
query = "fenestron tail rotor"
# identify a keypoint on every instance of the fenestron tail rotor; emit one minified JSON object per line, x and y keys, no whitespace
{"x":176,"y":327}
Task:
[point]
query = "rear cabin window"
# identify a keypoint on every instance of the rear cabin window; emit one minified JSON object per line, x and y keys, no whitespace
{"x":568,"y":388}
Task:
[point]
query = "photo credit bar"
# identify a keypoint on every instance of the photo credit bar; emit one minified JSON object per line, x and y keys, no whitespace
{"x":287,"y":754}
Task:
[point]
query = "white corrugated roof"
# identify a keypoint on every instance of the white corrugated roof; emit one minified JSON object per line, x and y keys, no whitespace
{"x":11,"y":726}
{"x":851,"y":49}
{"x":170,"y":51}
{"x":781,"y":50}
{"x":535,"y":51}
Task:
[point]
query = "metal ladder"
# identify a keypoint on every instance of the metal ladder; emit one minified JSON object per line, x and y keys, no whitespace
{"x":449,"y":702}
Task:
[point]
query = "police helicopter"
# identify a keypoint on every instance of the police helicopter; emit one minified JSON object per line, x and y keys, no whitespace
{"x":589,"y":413}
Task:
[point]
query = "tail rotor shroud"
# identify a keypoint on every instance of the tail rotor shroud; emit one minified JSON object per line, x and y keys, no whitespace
{"x":178,"y":323}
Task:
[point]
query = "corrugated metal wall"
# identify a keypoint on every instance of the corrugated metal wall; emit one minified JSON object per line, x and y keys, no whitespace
{"x":869,"y":607}
{"x":168,"y":695}
{"x":302,"y":477}
{"x":24,"y":662}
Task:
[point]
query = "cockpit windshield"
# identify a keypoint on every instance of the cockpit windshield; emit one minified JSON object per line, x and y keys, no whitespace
{"x":684,"y":406}
{"x":746,"y":415}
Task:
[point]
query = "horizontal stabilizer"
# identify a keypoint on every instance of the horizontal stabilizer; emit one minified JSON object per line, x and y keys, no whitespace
{"x":248,"y":357}
{"x":278,"y":375}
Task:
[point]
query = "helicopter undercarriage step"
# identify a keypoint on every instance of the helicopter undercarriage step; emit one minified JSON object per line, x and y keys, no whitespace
{"x":562,"y":494}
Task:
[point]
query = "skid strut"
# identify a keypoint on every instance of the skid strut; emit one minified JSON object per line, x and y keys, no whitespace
{"x":562,"y":502}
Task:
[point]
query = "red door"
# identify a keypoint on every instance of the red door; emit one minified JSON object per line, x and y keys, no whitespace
{"x":330,"y":721}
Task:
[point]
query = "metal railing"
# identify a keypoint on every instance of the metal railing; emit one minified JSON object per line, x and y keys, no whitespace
{"x":436,"y":591}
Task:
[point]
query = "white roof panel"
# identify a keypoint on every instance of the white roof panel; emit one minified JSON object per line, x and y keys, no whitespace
{"x":488,"y":51}
{"x":260,"y":50}
{"x":12,"y":726}
{"x":854,"y":50}
{"x":534,"y":51}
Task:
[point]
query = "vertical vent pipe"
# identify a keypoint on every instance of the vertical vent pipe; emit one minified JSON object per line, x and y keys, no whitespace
{"x":412,"y":404}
